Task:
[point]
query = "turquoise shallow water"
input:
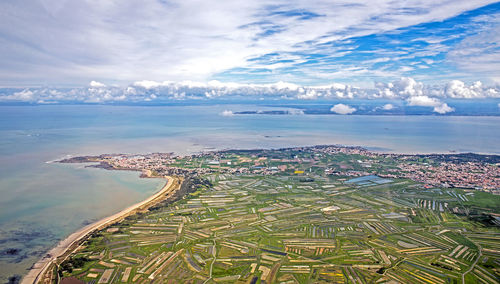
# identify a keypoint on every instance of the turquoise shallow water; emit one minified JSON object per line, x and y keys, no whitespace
{"x":42,"y":203}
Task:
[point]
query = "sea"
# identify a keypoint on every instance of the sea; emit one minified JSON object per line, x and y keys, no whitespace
{"x":42,"y":202}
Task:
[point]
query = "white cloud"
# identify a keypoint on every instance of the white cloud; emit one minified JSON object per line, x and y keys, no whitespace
{"x":455,"y":89}
{"x":342,"y":109}
{"x":423,"y":101}
{"x":96,"y":84}
{"x":309,"y":94}
{"x":458,"y":89}
{"x":388,"y":107}
{"x":295,"y":111}
{"x":438,"y":106}
{"x":147,"y":84}
{"x":186,"y":39}
{"x":443,"y":108}
{"x":480,"y":52}
{"x":227,"y":113}
{"x":403,"y":69}
{"x":286,"y":86}
{"x":384,"y":107}
{"x":404,"y":89}
{"x":23,"y":96}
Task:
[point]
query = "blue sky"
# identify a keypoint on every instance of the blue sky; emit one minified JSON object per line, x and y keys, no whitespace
{"x":135,"y":50}
{"x":69,"y":43}
{"x":458,"y":47}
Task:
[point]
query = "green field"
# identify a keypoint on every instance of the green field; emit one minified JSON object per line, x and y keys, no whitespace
{"x":299,"y":225}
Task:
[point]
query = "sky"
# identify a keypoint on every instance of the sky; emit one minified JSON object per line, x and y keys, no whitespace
{"x":420,"y":51}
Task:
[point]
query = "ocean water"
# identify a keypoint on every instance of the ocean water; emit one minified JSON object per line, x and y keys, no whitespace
{"x":41,"y":203}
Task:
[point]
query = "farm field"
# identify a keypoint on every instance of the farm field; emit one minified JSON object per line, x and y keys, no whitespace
{"x":299,"y":225}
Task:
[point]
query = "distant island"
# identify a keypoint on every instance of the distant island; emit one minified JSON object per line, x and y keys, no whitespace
{"x":321,"y":214}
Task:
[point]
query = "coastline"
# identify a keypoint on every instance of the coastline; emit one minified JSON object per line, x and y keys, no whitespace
{"x":69,"y":244}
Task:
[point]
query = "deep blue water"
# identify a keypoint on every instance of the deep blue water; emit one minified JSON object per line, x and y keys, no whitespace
{"x":42,"y":203}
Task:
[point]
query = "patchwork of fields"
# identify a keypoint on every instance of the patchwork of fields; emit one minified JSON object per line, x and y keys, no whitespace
{"x":320,"y":214}
{"x":284,"y":229}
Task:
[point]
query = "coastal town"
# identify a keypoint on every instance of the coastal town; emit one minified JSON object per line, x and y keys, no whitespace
{"x":323,"y":214}
{"x":466,"y":173}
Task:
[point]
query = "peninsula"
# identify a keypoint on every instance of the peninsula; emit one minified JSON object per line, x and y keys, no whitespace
{"x":321,"y":214}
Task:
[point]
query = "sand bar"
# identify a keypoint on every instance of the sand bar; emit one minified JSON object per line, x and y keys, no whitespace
{"x":40,"y":267}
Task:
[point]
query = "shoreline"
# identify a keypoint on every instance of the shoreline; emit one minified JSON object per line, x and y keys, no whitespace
{"x":373,"y":149}
{"x":72,"y":242}
{"x":66,"y":246}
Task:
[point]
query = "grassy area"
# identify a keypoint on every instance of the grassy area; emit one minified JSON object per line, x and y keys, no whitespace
{"x":300,"y":227}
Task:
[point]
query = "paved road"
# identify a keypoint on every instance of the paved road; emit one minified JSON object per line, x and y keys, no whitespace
{"x":474,"y":264}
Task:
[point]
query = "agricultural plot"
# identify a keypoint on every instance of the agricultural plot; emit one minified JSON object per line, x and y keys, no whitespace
{"x":297,"y":225}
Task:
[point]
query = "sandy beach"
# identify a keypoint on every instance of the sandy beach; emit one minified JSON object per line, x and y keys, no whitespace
{"x":69,"y":244}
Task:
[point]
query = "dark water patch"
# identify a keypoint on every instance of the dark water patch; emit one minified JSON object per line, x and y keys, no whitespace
{"x":14,"y":279}
{"x":13,"y":255}
{"x":88,"y":222}
{"x":27,"y":238}
{"x":10,"y":251}
{"x":18,"y":245}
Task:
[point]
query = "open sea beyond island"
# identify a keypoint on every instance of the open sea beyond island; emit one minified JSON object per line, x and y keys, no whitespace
{"x":43,"y":202}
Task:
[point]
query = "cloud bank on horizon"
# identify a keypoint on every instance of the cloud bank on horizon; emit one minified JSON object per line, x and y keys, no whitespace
{"x":406,"y":90}
{"x":69,"y":43}
{"x":419,"y":52}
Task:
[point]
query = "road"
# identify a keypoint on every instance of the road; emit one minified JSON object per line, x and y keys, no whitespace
{"x":475,"y":262}
{"x":214,"y":254}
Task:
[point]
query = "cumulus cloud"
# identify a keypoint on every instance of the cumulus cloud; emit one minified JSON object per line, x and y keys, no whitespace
{"x":227,"y":113}
{"x":385,"y":107}
{"x":443,"y":108}
{"x":458,"y":89}
{"x":423,"y":101}
{"x":404,"y":89}
{"x":216,"y":89}
{"x":309,"y":94}
{"x":342,"y":109}
{"x":148,"y":84}
{"x":418,"y":94}
{"x":455,"y":89}
{"x":388,"y":107}
{"x":23,"y":96}
{"x":96,"y":84}
{"x":295,"y":112}
{"x":438,"y":106}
